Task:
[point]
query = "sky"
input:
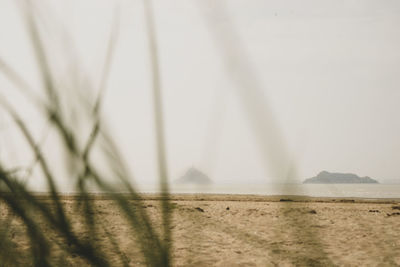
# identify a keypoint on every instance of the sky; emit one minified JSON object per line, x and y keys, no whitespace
{"x":251,"y":89}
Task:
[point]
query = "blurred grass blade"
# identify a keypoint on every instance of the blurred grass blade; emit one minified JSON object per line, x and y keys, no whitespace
{"x":159,"y":128}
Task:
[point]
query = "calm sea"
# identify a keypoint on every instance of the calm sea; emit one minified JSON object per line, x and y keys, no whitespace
{"x":314,"y":190}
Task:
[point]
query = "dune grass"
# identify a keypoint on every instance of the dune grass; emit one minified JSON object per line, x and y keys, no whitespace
{"x":26,"y":206}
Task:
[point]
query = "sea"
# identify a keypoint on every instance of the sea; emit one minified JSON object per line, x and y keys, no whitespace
{"x":312,"y":190}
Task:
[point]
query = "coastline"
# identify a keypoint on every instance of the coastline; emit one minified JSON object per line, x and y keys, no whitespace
{"x":226,"y":197}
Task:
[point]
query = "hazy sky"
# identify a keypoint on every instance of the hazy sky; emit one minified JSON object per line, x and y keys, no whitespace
{"x":328,"y":70}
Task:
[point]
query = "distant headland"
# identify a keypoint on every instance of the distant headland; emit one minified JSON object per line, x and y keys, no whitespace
{"x":325,"y":177}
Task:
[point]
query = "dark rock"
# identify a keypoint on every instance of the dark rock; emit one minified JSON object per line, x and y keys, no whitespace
{"x":396,"y":207}
{"x":325,"y":177}
{"x":227,"y":208}
{"x":312,"y":212}
{"x":285,"y":200}
{"x":377,"y":211}
{"x":393,"y":214}
{"x":199,"y":209}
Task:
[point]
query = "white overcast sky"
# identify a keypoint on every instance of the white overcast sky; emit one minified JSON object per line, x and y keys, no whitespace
{"x":329,"y":71}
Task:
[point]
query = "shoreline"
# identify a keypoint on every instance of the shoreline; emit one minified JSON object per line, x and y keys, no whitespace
{"x":225,"y":197}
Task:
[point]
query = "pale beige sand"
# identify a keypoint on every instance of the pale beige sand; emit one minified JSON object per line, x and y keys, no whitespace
{"x":254,"y":231}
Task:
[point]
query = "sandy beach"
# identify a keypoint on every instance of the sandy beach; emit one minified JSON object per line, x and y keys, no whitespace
{"x":239,"y":230}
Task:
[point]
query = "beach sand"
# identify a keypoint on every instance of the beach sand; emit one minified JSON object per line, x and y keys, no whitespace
{"x":238,"y":230}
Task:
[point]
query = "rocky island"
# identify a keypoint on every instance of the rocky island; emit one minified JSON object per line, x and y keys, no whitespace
{"x":325,"y":177}
{"x":194,"y":176}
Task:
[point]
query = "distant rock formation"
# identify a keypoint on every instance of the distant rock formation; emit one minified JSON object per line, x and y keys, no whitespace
{"x":325,"y":177}
{"x":194,"y":176}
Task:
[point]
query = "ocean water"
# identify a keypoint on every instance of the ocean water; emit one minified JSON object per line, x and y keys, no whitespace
{"x":314,"y":190}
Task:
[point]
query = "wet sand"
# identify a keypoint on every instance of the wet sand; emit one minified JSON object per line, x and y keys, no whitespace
{"x":239,"y":230}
